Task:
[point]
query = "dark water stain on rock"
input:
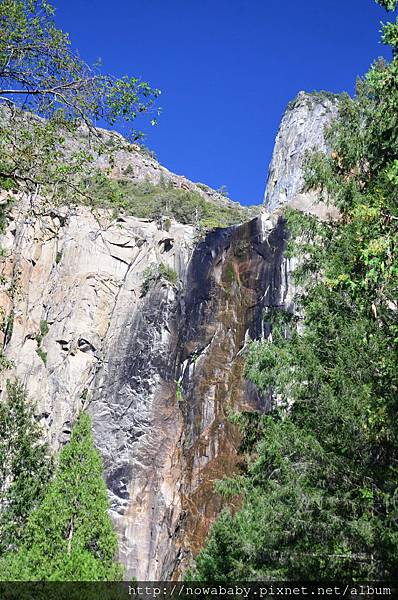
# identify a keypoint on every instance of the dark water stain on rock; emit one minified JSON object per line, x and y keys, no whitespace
{"x":175,"y":371}
{"x":233,"y":275}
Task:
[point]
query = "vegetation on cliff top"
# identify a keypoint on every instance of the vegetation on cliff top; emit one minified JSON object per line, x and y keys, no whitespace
{"x":319,"y":488}
{"x":50,"y":101}
{"x":316,"y":95}
{"x":148,"y":201}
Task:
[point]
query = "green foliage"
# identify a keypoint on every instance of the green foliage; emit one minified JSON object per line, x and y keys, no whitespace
{"x":316,"y":94}
{"x":390,"y":35}
{"x":203,"y":187}
{"x":148,"y":201}
{"x":25,"y":466}
{"x":320,"y":479}
{"x":42,"y":354}
{"x":39,"y":66}
{"x":325,"y":95}
{"x":223,"y":190}
{"x":388,"y":4}
{"x":147,"y":151}
{"x":129,"y":170}
{"x":5,"y":363}
{"x":8,"y":327}
{"x":179,"y":391}
{"x":230,"y":273}
{"x":48,"y":95}
{"x":43,"y":331}
{"x":155,"y":273}
{"x":39,"y":338}
{"x":69,"y":537}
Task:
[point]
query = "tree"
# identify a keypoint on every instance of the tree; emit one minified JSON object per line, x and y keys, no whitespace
{"x":25,"y":465}
{"x":69,"y":537}
{"x":320,"y":485}
{"x":388,"y":4}
{"x":48,"y":94}
{"x":39,"y":66}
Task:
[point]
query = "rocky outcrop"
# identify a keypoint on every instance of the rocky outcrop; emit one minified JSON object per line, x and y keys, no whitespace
{"x":157,"y":360}
{"x":301,"y":130}
{"x":137,"y":163}
{"x":70,"y":276}
{"x":158,"y":371}
{"x":161,"y":403}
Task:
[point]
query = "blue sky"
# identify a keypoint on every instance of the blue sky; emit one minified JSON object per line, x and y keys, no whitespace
{"x":227,"y":69}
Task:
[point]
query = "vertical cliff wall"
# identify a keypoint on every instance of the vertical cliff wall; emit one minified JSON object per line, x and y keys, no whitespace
{"x":160,"y":366}
{"x":159,"y":370}
{"x":233,"y":275}
{"x":161,"y":401}
{"x":301,"y":130}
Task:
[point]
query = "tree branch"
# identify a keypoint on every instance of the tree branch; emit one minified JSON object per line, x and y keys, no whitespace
{"x":77,"y":84}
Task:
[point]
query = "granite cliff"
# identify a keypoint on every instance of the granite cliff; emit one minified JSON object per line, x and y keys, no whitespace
{"x":301,"y":130}
{"x":159,"y":363}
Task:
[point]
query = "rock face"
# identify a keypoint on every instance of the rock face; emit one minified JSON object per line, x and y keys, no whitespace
{"x":160,"y":407}
{"x":158,"y":371}
{"x":158,"y":364}
{"x":302,"y":129}
{"x":72,"y":274}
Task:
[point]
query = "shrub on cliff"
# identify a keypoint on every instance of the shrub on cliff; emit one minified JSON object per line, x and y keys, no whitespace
{"x":319,"y":489}
{"x":155,"y":273}
{"x":148,"y":201}
{"x":70,"y":536}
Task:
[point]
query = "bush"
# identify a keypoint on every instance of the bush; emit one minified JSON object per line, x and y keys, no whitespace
{"x":43,"y":354}
{"x":129,"y":170}
{"x":148,"y":201}
{"x":43,"y":331}
{"x":154,"y":273}
{"x":147,"y":152}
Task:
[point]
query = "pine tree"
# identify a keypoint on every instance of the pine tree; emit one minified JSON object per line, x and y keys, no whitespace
{"x":25,"y":465}
{"x":70,"y":536}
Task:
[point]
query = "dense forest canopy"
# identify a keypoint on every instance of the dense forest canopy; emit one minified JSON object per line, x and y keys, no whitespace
{"x":320,"y":486}
{"x":68,"y":535}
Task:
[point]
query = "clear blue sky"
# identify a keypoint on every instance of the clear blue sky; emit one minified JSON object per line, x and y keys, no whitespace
{"x":227,"y":69}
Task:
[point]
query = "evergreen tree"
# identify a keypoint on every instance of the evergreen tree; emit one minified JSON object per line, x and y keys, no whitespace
{"x":70,"y":536}
{"x":319,"y":493}
{"x":25,"y":465}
